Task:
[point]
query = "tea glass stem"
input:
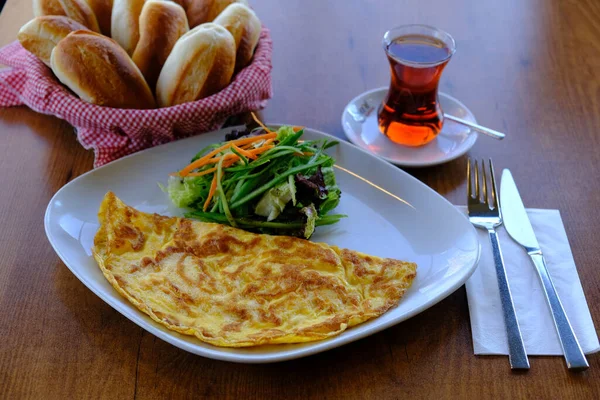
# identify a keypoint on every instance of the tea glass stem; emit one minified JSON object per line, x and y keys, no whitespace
{"x":475,"y":127}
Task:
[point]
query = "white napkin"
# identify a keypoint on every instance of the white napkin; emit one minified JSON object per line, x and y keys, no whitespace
{"x":535,"y":320}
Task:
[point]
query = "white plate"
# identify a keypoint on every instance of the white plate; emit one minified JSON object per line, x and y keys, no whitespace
{"x":402,"y":218}
{"x":359,"y":121}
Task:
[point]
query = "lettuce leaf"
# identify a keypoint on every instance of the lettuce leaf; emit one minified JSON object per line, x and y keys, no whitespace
{"x":311,"y":219}
{"x":333,"y":191}
{"x":185,"y":192}
{"x":274,"y":201}
{"x":285,"y":132}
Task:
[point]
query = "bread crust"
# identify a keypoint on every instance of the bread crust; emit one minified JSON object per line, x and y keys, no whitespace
{"x":103,"y":11}
{"x":125,"y":26}
{"x":201,"y":63}
{"x":201,"y":11}
{"x":47,"y":7}
{"x":161,"y":25}
{"x":100,"y":72}
{"x":80,"y":11}
{"x":244,"y":26}
{"x":40,"y":35}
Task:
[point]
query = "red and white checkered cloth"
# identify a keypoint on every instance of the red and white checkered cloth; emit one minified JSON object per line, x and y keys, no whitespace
{"x":114,"y":133}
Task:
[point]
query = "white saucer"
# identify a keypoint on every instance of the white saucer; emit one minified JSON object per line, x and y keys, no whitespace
{"x":359,"y":121}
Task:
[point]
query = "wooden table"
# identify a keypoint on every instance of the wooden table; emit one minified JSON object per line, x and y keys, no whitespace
{"x":528,"y":67}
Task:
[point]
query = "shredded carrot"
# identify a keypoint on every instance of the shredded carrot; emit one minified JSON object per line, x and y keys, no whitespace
{"x":230,"y":163}
{"x":243,"y":152}
{"x":231,"y":156}
{"x":209,"y":158}
{"x":210,"y":170}
{"x":213,"y":185}
{"x":261,"y":149}
{"x":270,"y":135}
{"x":202,"y":173}
{"x":211,"y":192}
{"x":215,"y":160}
{"x":297,"y":128}
{"x":260,"y":123}
{"x":202,"y":161}
{"x":249,"y":145}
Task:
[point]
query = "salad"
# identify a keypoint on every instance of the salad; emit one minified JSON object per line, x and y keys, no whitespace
{"x":261,"y":180}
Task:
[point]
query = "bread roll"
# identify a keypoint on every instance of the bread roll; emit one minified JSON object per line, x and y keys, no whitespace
{"x":125,"y":23}
{"x":245,"y":26}
{"x":77,"y":10}
{"x":80,"y":11}
{"x":103,"y":11}
{"x":47,"y":7}
{"x":161,"y":24}
{"x":183,"y":3}
{"x":201,"y":11}
{"x":41,"y":34}
{"x":99,"y":71}
{"x":200,"y":64}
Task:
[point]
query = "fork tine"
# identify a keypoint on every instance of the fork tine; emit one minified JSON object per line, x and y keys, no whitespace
{"x":476,"y":167}
{"x":484,"y":196}
{"x":493,"y":182}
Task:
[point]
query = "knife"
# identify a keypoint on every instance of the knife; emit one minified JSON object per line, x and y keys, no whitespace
{"x":519,"y":227}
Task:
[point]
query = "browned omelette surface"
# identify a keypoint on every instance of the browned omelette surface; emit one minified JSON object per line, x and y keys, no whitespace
{"x":229,"y":287}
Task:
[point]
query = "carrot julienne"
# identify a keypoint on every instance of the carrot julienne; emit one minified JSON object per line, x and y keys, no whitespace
{"x":201,"y":173}
{"x":211,"y":193}
{"x":230,"y":162}
{"x":241,"y":146}
{"x":243,"y":152}
{"x":215,"y":160}
{"x":232,"y":158}
{"x":202,"y":161}
{"x":265,"y":143}
{"x":260,"y":123}
{"x":271,"y":135}
{"x":261,"y":149}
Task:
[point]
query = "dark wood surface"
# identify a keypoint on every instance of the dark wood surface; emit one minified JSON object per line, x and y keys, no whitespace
{"x":528,"y":67}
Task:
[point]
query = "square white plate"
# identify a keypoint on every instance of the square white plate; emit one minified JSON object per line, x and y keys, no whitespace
{"x":390,"y":214}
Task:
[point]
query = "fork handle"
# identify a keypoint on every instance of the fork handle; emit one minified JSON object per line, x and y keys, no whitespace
{"x":574,"y":356}
{"x":516,"y":349}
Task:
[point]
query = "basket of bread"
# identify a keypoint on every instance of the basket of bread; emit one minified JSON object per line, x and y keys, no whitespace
{"x":132,"y":74}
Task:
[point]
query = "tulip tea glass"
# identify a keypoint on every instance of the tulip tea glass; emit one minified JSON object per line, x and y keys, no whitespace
{"x":411,"y":114}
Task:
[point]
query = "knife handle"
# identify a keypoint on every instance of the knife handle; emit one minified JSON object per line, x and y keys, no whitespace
{"x":516,"y":349}
{"x":573,"y":354}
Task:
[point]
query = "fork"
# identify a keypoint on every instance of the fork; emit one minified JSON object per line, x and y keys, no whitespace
{"x":485,"y":214}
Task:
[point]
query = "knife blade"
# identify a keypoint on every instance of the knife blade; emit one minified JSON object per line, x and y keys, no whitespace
{"x":514,"y":215}
{"x":519,"y":228}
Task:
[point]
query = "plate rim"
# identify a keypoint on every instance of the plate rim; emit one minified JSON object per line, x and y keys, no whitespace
{"x":319,"y":346}
{"x":408,"y":164}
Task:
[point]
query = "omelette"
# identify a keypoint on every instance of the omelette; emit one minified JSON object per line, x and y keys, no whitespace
{"x":233,"y":288}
